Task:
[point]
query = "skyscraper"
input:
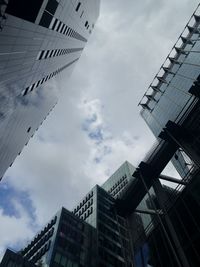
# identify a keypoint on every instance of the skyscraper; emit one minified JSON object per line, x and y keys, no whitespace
{"x":100,"y":233}
{"x":92,"y":235}
{"x":170,"y":106}
{"x":40,"y":42}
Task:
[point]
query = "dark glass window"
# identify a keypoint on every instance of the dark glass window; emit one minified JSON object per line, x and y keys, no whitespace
{"x":27,"y":10}
{"x":28,"y":129}
{"x":26,"y":91}
{"x":54,"y":25}
{"x":59,"y":25}
{"x":52,"y":6}
{"x":46,"y":19}
{"x":78,"y":6}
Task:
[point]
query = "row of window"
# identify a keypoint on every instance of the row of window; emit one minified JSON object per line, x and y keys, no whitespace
{"x":51,"y":75}
{"x":118,"y":183}
{"x":85,"y":207}
{"x":68,"y":232}
{"x":70,"y":247}
{"x":61,"y":260}
{"x":106,"y":230}
{"x":108,"y":221}
{"x":87,"y":198}
{"x":72,"y":221}
{"x":38,"y":237}
{"x":119,"y":188}
{"x":41,"y":252}
{"x":49,"y":21}
{"x":85,"y":215}
{"x":113,"y":247}
{"x":61,"y":27}
{"x":44,"y":54}
{"x":40,"y":244}
{"x":86,"y":23}
{"x":110,"y":259}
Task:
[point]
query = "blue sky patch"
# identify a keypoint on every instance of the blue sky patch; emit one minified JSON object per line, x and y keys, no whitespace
{"x":8,"y":195}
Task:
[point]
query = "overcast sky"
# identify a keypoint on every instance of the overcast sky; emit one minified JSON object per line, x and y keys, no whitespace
{"x":96,"y":126}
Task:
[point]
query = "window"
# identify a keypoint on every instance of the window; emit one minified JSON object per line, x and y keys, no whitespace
{"x":29,"y":11}
{"x":54,"y":24}
{"x":57,"y":258}
{"x":59,"y":25}
{"x":63,"y":27}
{"x":78,"y":6}
{"x":82,"y":14}
{"x":46,"y":19}
{"x":41,"y":55}
{"x":52,"y":6}
{"x":26,"y":91}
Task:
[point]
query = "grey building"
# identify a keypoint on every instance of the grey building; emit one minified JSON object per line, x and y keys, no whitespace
{"x":65,"y":241}
{"x":93,"y":234}
{"x":98,"y":209}
{"x":101,"y":233}
{"x":170,"y":106}
{"x":40,"y":43}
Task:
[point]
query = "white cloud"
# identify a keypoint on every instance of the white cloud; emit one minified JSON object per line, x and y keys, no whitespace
{"x":15,"y":231}
{"x":130,"y":42}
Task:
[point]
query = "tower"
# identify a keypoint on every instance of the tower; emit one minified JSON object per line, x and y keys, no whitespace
{"x":40,"y":43}
{"x":170,"y":106}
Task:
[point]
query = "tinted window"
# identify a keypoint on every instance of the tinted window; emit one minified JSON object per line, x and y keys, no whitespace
{"x":46,"y":20}
{"x":27,"y":10}
{"x":52,"y":6}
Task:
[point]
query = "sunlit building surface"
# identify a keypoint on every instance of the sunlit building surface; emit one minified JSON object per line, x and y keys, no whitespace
{"x":40,"y":43}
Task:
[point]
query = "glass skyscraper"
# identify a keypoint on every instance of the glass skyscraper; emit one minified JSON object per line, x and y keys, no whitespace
{"x":93,"y":234}
{"x":99,"y":233}
{"x":40,"y":43}
{"x":172,"y":99}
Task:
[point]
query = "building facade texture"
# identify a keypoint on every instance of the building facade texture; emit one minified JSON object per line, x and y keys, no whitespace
{"x":170,"y":106}
{"x":40,"y":43}
{"x":99,"y":234}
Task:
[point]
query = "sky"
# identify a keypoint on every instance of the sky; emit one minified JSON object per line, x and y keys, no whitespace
{"x":96,"y":125}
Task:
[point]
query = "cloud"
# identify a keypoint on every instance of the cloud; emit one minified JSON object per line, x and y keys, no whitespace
{"x":96,"y":126}
{"x":15,"y":230}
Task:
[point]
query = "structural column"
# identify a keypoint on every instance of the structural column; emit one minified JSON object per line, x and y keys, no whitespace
{"x":162,"y":199}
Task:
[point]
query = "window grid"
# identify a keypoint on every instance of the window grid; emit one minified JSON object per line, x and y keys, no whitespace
{"x":36,"y":84}
{"x":44,"y":54}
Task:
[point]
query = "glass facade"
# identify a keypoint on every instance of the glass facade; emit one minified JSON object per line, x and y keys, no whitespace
{"x":153,"y":248}
{"x":170,"y":96}
{"x":96,"y":234}
{"x":40,"y":43}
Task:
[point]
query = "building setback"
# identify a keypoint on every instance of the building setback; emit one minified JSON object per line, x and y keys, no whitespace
{"x":40,"y":43}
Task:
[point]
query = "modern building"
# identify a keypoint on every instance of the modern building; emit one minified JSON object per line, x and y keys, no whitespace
{"x":93,"y":234}
{"x":98,"y":209}
{"x":40,"y":43}
{"x":170,"y":106}
{"x":64,"y":241}
{"x":102,"y":232}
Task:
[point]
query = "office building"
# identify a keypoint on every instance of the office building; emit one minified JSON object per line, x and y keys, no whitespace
{"x":170,"y":106}
{"x":98,"y":210}
{"x":102,"y":231}
{"x":93,"y":234}
{"x":40,"y":43}
{"x":64,"y":241}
